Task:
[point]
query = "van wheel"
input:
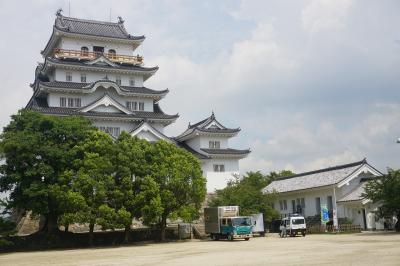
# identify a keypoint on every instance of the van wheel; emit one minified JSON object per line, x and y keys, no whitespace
{"x":247,"y":238}
{"x":303,"y":233}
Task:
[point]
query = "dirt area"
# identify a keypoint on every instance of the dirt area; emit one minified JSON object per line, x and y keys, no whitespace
{"x":345,"y":249}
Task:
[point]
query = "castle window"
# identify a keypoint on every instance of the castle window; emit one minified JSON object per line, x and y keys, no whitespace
{"x":214,"y":144}
{"x":131,"y":105}
{"x":219,"y":168}
{"x":70,"y":102}
{"x":141,"y":106}
{"x":113,"y":131}
{"x":132,"y":81}
{"x":63,"y":102}
{"x":118,"y":80}
{"x":98,"y":50}
{"x":84,"y":51}
{"x":68,"y":76}
{"x":112,"y":54}
{"x":77,"y":102}
{"x":83,"y":78}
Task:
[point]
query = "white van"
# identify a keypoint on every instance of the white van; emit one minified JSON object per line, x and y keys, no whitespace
{"x":293,"y":225}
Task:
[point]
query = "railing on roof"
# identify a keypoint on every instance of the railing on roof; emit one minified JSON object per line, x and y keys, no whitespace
{"x":63,"y":53}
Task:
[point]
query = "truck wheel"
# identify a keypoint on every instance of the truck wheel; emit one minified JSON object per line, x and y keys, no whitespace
{"x":230,"y":237}
{"x":247,"y":238}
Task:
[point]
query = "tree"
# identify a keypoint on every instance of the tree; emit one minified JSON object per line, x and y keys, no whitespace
{"x":247,"y":193}
{"x":136,"y":195}
{"x":93,"y":179}
{"x":180,"y":182}
{"x":37,"y":150}
{"x":385,"y":191}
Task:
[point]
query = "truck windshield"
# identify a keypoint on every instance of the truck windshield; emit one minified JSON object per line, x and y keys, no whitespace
{"x":242,"y":221}
{"x":298,"y":221}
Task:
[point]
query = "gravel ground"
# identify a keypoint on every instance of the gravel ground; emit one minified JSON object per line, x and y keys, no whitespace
{"x":345,"y":249}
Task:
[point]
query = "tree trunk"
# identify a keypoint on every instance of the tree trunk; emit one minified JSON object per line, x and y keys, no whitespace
{"x":163,"y":225}
{"x":397,"y":225}
{"x":51,"y":225}
{"x":66,"y":228}
{"x":91,"y":229}
{"x":127,"y":231}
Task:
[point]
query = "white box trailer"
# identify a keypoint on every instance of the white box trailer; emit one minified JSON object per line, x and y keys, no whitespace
{"x":257,"y":220}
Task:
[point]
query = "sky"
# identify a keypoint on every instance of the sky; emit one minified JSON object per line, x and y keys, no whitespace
{"x":311,"y":83}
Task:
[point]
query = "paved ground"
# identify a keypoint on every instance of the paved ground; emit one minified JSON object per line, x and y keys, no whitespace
{"x":350,"y":249}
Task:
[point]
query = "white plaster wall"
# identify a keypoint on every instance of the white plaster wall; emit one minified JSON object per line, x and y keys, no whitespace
{"x":194,"y":143}
{"x":309,"y":200}
{"x":76,"y":44}
{"x":158,"y":126}
{"x":60,"y":75}
{"x":204,"y":142}
{"x":124,"y":126}
{"x":219,"y":180}
{"x":54,"y":98}
{"x":347,"y":188}
{"x":147,"y":136}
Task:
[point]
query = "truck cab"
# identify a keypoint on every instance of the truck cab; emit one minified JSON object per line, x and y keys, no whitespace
{"x":294,"y":225}
{"x":224,"y":222}
{"x":236,"y":227}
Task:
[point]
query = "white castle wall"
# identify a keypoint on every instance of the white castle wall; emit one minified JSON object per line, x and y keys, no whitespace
{"x":219,"y":180}
{"x":60,"y":75}
{"x":54,"y":98}
{"x":199,"y":142}
{"x":76,"y":44}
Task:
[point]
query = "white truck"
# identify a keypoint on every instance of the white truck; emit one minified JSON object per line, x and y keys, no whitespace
{"x":293,"y":225}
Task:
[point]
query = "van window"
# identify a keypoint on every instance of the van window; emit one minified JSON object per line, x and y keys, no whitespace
{"x":229,"y":222}
{"x":298,"y":221}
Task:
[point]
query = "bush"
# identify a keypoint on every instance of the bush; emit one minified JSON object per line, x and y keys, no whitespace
{"x":7,"y":227}
{"x":4,"y":243}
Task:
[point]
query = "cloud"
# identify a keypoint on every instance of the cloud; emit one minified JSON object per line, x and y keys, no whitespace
{"x":325,"y":15}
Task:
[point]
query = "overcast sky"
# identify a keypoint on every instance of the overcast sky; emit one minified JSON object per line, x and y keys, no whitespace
{"x":311,"y":83}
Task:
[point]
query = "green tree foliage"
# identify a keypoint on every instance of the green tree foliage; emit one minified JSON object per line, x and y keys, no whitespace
{"x":247,"y":193}
{"x":135,"y":195}
{"x":70,"y":172}
{"x":37,"y":150}
{"x":385,"y":191}
{"x":181,"y":184}
{"x":93,"y":179}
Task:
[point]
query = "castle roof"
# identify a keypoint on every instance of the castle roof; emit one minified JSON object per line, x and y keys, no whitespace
{"x":207,"y":126}
{"x":84,"y":65}
{"x":40,"y":104}
{"x":93,"y":27}
{"x":75,"y":87}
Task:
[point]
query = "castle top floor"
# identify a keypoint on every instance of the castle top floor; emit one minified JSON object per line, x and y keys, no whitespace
{"x":88,"y":39}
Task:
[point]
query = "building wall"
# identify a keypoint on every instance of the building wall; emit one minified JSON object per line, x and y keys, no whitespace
{"x":219,"y":180}
{"x":91,"y":76}
{"x":124,"y":126}
{"x":199,"y":142}
{"x":309,"y":200}
{"x":76,"y":44}
{"x":54,"y":98}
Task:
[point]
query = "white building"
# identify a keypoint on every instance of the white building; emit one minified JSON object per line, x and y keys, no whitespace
{"x":338,"y":187}
{"x":209,"y":141}
{"x":90,"y":70}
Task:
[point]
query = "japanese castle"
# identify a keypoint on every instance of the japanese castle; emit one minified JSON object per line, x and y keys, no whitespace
{"x":90,"y":69}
